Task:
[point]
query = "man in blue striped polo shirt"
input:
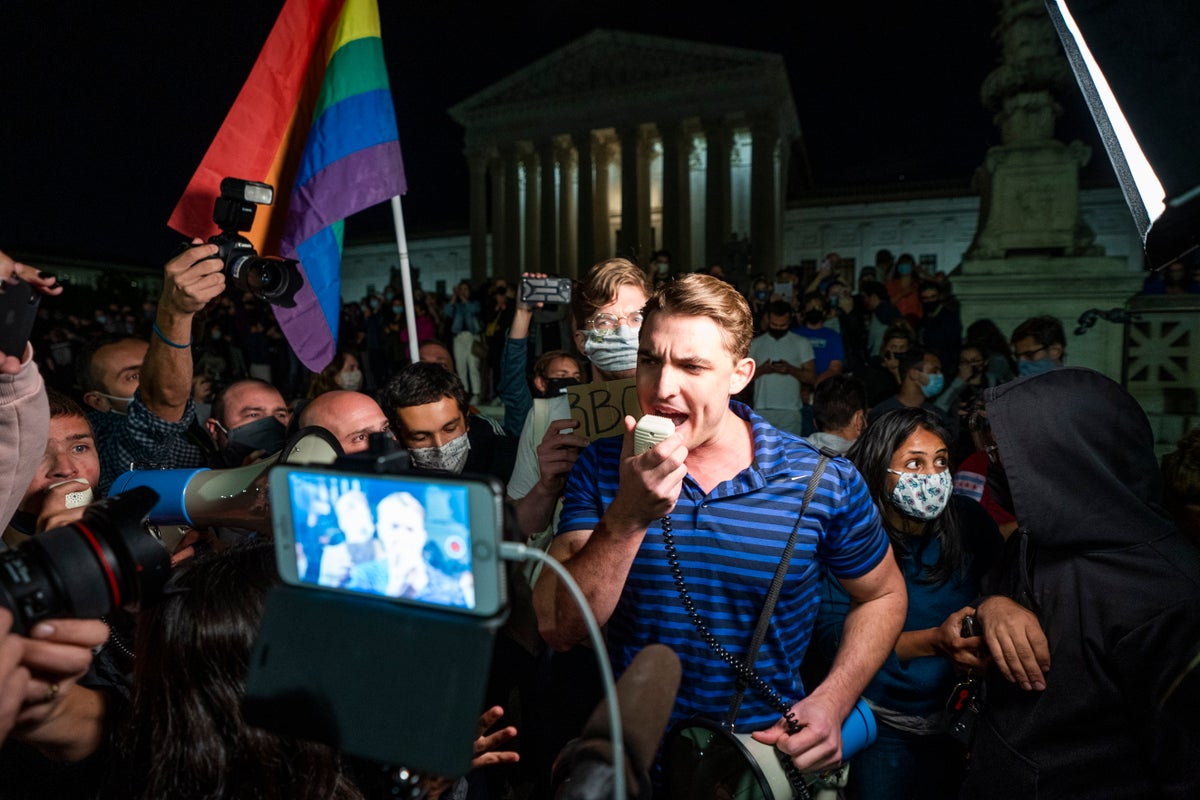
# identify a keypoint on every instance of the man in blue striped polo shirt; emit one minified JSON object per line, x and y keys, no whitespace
{"x":732,"y":486}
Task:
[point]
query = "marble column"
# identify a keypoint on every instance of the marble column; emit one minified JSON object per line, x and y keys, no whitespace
{"x":602,"y":243}
{"x":499,"y":222}
{"x":477,"y":162}
{"x":765,"y":196}
{"x":547,"y":242}
{"x":717,"y":187}
{"x":629,"y":240}
{"x":585,"y":234}
{"x":512,"y":214}
{"x":676,"y":194}
{"x":567,"y":245}
{"x":645,"y":195}
{"x":531,"y":254}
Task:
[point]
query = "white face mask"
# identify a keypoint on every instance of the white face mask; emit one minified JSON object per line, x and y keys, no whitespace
{"x":451,"y":456}
{"x":612,"y":352}
{"x":119,"y":405}
{"x":350,"y":381}
{"x":920,"y":495}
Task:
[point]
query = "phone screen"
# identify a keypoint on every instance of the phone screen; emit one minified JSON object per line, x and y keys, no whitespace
{"x":429,"y":540}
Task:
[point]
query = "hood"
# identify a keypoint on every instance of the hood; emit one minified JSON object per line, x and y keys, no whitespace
{"x":1079,"y":454}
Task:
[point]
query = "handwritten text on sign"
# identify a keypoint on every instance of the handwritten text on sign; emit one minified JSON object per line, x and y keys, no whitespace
{"x":600,"y":408}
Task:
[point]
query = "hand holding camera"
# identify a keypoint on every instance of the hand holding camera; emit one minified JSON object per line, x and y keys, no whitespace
{"x":191,"y":279}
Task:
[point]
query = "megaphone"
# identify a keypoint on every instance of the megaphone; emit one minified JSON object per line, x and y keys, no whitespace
{"x":236,"y":497}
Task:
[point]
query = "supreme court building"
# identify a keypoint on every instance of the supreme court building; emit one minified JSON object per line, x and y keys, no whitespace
{"x":622,"y":144}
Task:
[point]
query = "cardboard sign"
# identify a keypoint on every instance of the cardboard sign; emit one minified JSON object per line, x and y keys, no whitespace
{"x":600,"y":408}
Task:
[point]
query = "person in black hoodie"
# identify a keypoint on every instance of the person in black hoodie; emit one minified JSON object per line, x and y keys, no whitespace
{"x":1096,"y":580}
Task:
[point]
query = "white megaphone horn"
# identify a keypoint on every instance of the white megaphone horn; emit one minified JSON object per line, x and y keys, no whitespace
{"x":236,"y":497}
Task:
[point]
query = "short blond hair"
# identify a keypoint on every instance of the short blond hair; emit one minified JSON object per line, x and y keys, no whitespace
{"x":600,"y":286}
{"x":698,"y":295}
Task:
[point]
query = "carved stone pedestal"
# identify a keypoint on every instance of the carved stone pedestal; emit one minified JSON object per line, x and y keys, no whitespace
{"x":1010,"y":290}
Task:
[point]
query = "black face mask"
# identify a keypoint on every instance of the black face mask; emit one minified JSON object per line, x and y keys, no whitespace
{"x":557,"y":386}
{"x":930,"y":307}
{"x":777,"y":333}
{"x":814,"y":316}
{"x":267,"y":434}
{"x":997,"y":484}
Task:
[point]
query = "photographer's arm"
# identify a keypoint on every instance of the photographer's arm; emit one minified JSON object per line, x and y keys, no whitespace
{"x":73,"y":729}
{"x":190,"y":280}
{"x":37,"y":676}
{"x":24,"y":415}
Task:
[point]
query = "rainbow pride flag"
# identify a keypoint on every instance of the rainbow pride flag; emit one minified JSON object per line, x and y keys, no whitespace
{"x":315,"y":120}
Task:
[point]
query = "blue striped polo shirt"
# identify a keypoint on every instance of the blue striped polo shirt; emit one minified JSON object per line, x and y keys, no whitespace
{"x":729,"y":543}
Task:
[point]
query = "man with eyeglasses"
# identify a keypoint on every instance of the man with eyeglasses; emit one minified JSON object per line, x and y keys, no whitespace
{"x":1039,"y":345}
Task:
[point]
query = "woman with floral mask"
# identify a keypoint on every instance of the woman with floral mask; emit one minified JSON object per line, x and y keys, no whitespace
{"x":944,"y":543}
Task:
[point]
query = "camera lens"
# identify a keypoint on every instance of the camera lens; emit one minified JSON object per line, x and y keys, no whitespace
{"x":267,"y":278}
{"x":86,"y":569}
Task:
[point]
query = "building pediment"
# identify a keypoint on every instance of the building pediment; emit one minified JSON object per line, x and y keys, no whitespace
{"x":609,"y":76}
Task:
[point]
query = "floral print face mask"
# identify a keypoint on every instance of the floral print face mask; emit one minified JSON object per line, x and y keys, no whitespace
{"x":920,"y":495}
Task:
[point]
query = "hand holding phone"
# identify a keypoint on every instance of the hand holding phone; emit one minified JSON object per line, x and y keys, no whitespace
{"x":18,"y":309}
{"x":548,"y":291}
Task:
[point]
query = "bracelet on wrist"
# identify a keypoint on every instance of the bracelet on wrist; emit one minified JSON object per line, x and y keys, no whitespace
{"x":158,"y":332}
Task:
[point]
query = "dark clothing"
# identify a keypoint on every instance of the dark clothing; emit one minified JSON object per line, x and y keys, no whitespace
{"x":493,"y":452}
{"x":879,"y":382}
{"x":1117,"y":591}
{"x":941,"y":332}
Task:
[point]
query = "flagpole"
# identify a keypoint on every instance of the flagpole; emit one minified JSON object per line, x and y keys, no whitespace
{"x":405,"y":277}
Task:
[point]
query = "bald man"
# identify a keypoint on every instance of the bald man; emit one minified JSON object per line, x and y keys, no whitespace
{"x":350,"y":416}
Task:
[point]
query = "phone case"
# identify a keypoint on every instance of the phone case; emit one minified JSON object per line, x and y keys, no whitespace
{"x":18,"y":310}
{"x":545,"y":290}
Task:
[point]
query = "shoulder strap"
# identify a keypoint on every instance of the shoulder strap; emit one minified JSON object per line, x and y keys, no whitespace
{"x":764,"y":619}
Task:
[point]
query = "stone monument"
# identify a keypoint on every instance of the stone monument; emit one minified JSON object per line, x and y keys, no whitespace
{"x":1032,"y":253}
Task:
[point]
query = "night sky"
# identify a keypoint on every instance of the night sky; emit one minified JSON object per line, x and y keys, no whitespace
{"x":108,"y":109}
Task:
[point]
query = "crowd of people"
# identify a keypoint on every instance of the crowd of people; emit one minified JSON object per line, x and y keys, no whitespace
{"x":980,"y":513}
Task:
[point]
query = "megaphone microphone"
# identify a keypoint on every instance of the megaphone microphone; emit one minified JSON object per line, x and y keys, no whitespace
{"x":645,"y":697}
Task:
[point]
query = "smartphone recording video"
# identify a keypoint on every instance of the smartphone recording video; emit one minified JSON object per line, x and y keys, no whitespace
{"x":428,"y":540}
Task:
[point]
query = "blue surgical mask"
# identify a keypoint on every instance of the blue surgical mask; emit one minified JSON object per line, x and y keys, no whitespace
{"x":612,"y":352}
{"x":904,"y":269}
{"x":933,"y":387}
{"x":1025,"y":368}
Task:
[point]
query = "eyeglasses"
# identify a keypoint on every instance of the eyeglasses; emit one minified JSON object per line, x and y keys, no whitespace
{"x":607,"y":323}
{"x":1029,"y":354}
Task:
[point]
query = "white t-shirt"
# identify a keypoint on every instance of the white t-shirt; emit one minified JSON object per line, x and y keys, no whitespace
{"x":779,"y":390}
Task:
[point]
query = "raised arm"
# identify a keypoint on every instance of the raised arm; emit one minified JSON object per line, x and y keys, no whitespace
{"x":190,"y":280}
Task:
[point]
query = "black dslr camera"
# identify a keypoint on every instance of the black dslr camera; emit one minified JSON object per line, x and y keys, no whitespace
{"x":89,"y":568}
{"x":270,"y":278}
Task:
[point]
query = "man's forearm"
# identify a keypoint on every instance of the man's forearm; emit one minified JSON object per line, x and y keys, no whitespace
{"x":166,"y":382}
{"x":869,"y":635}
{"x":600,"y":568}
{"x":535,"y":510}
